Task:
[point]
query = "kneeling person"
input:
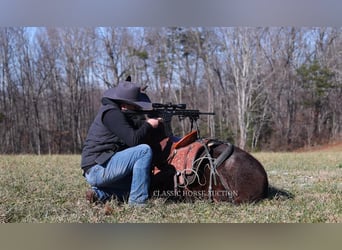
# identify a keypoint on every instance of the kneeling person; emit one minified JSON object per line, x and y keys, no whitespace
{"x":116,"y":159}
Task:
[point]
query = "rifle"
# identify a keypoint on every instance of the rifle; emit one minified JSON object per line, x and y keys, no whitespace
{"x":168,"y":110}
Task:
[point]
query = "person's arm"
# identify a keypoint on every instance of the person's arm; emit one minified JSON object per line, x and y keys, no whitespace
{"x":116,"y":122}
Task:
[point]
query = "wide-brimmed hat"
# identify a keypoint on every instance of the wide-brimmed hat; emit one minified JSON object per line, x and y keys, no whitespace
{"x":130,"y":93}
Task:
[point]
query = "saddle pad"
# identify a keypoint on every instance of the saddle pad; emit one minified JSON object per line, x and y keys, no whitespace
{"x":186,"y":140}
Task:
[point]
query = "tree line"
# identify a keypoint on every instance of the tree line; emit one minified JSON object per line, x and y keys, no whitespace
{"x":272,"y":88}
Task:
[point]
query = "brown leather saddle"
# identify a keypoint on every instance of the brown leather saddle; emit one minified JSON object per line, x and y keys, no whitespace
{"x":182,"y":157}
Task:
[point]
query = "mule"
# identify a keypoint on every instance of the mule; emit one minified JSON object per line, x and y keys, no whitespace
{"x":195,"y":168}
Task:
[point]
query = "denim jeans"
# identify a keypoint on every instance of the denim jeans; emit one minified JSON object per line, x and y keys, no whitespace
{"x":128,"y":172}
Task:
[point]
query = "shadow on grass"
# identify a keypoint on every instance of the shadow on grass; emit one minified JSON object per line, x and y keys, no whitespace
{"x":279,"y":194}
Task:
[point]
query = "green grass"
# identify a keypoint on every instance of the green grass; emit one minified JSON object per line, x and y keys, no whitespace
{"x":51,"y":189}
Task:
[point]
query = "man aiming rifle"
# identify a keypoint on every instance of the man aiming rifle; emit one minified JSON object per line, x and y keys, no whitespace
{"x":117,"y":155}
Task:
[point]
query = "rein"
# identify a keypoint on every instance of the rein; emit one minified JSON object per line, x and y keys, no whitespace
{"x":213,"y":164}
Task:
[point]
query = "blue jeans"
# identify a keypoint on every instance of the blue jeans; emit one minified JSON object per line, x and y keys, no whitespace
{"x":128,"y":172}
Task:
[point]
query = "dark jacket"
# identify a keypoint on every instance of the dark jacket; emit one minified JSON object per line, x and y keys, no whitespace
{"x":112,"y":131}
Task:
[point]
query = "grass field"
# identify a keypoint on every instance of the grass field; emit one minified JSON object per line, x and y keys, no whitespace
{"x":50,"y":188}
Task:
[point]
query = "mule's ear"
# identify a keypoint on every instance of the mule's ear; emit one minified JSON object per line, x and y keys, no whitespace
{"x":128,"y":79}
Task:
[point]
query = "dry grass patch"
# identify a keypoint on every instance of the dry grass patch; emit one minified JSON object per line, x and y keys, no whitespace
{"x":51,"y":189}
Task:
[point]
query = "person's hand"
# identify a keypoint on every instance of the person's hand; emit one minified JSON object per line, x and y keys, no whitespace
{"x":154,"y":122}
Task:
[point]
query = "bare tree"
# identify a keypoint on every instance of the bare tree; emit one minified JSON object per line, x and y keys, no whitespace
{"x":271,"y":88}
{"x":240,"y":46}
